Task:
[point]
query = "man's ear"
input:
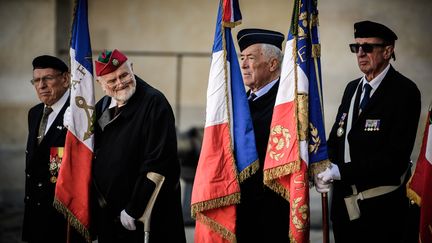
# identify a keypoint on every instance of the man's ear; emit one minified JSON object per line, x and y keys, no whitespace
{"x":274,"y":65}
{"x":388,"y":51}
{"x":67,"y":79}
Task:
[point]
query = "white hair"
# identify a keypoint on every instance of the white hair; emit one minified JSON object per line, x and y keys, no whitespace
{"x":271,"y":51}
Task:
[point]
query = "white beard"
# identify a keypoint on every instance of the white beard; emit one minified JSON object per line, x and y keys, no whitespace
{"x":123,"y":95}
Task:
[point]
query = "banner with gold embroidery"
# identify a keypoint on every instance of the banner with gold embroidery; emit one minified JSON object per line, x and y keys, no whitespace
{"x":297,"y":139}
{"x":72,"y":193}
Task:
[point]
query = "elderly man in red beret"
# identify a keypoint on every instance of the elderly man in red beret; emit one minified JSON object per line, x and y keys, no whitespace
{"x":134,"y":135}
{"x":370,"y":144}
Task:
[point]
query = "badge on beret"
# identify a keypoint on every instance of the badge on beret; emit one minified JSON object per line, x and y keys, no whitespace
{"x":115,"y":62}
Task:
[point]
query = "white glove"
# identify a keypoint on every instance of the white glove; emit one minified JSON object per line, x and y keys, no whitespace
{"x":127,"y":221}
{"x":321,"y":186}
{"x":67,"y":117}
{"x":330,"y":174}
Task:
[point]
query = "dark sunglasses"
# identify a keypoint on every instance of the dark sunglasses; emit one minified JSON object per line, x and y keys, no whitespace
{"x":366,"y":47}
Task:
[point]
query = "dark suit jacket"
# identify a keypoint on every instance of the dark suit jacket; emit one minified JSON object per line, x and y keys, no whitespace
{"x":262,"y":215}
{"x":378,"y":157}
{"x":42,"y":222}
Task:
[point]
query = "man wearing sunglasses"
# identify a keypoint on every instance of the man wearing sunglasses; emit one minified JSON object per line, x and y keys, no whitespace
{"x":370,"y":144}
{"x":45,"y":143}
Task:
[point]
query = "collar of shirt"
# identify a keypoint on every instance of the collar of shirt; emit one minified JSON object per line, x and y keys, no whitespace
{"x":374,"y":83}
{"x":56,"y":109}
{"x":265,"y":89}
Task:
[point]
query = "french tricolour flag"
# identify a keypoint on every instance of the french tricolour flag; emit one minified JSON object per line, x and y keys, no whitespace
{"x":297,"y":137}
{"x":228,"y":155}
{"x":72,"y":194}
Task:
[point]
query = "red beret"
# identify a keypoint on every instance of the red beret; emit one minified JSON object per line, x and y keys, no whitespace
{"x":109,"y":61}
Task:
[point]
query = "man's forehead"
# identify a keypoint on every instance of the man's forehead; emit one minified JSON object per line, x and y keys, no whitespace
{"x":44,"y":71}
{"x":252,"y":49}
{"x":369,"y":40}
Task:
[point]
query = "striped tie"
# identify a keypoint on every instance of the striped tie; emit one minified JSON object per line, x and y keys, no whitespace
{"x":43,"y":123}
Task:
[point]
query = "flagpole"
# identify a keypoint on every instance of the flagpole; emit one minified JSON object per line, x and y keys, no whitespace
{"x":68,"y":232}
{"x":325,"y":219}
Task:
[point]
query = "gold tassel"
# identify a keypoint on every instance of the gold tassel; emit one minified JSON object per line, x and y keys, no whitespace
{"x":74,"y":222}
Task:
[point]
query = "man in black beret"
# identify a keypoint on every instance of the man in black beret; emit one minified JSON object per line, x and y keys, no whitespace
{"x":262,"y":215}
{"x":370,"y":144}
{"x":45,"y":142}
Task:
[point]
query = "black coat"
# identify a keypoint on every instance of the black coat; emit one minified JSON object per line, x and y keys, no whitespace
{"x":141,"y":139}
{"x":378,"y":158}
{"x":42,"y":222}
{"x":262,"y":215}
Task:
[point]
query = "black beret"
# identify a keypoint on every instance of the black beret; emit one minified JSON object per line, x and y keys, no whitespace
{"x":247,"y":37}
{"x":365,"y":29}
{"x":46,"y":61}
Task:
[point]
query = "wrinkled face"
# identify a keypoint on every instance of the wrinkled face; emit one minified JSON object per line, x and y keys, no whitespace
{"x":255,"y":67}
{"x":371,"y":64}
{"x":120,"y":84}
{"x":50,"y":84}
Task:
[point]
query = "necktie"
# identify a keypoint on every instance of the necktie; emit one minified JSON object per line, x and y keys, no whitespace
{"x":43,"y":123}
{"x":252,"y":96}
{"x":366,"y":96}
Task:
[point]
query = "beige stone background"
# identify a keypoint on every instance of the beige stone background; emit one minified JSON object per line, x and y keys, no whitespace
{"x":170,"y":42}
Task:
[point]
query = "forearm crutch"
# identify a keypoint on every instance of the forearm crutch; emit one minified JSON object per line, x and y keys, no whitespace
{"x":158,"y":179}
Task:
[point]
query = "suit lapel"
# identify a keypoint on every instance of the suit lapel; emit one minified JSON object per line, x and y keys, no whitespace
{"x":56,"y":128}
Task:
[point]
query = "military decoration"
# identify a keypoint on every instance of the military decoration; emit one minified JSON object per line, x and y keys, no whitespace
{"x":56,"y":155}
{"x":340,"y":131}
{"x":372,"y":125}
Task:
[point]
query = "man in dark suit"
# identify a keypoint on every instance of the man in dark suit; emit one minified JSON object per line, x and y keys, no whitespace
{"x":262,"y":215}
{"x":45,"y":142}
{"x":370,"y":144}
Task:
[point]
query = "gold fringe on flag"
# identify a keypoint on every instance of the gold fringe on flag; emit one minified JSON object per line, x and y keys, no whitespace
{"x":226,"y":234}
{"x":248,"y":171}
{"x":73,"y":221}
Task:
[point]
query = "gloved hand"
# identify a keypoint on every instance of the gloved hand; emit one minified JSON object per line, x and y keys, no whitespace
{"x":127,"y":221}
{"x":321,"y":186}
{"x":67,"y":117}
{"x":330,"y":174}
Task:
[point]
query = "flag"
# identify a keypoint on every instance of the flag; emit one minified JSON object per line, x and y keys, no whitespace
{"x":72,"y":193}
{"x":297,"y":137}
{"x":419,"y":187}
{"x":228,"y":155}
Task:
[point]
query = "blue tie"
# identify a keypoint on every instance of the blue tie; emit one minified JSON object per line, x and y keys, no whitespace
{"x":252,"y":96}
{"x":366,"y":96}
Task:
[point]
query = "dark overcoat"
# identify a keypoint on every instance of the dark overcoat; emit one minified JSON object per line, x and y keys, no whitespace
{"x":42,"y":222}
{"x":262,"y":215}
{"x":381,"y":140}
{"x":141,"y":139}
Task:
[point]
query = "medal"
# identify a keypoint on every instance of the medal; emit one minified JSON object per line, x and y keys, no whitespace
{"x":372,"y":125}
{"x":53,"y":179}
{"x":340,"y":131}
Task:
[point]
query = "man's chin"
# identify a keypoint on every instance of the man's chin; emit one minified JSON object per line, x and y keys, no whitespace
{"x":124,"y":95}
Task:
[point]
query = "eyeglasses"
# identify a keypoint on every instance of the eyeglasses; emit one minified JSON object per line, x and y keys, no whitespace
{"x":366,"y":47}
{"x":124,"y":78}
{"x":46,"y":79}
